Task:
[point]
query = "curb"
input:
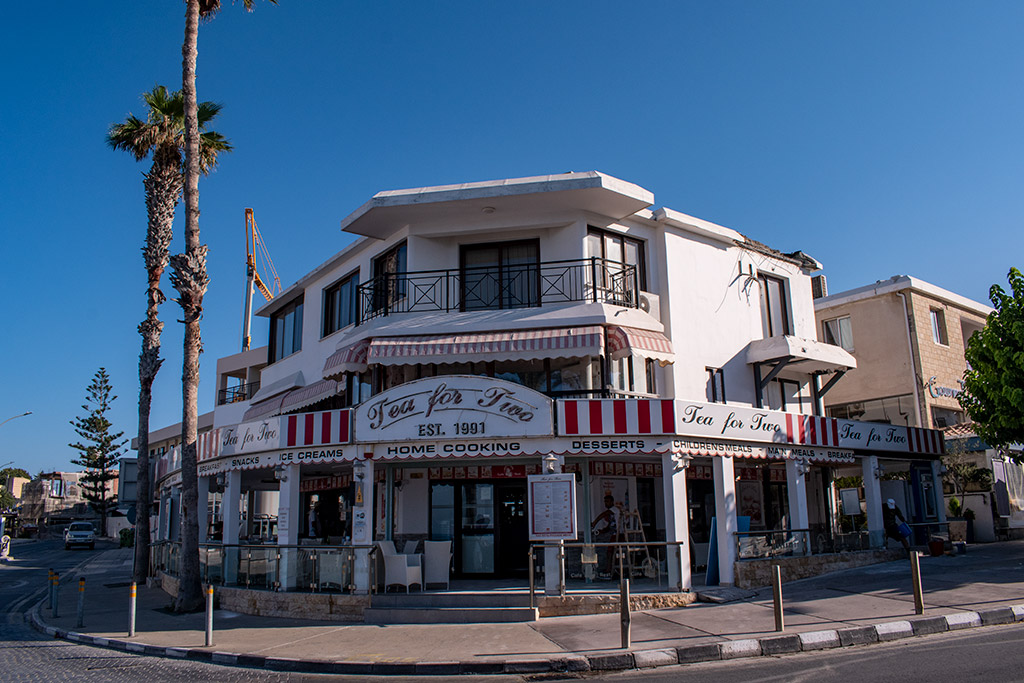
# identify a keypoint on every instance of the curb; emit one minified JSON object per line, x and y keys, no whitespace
{"x":572,"y":663}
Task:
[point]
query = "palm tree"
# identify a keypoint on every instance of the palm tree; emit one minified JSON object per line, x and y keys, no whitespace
{"x":161,"y":135}
{"x":190,"y":279}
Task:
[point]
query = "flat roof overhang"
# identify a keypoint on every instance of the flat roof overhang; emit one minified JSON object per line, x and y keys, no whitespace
{"x":802,"y":355}
{"x":390,"y":211}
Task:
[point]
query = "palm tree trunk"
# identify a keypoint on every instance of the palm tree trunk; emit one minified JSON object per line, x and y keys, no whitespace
{"x":190,"y":280}
{"x":163,"y":187}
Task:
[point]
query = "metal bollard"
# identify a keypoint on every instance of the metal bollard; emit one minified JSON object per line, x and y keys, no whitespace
{"x":780,"y":624}
{"x":49,"y":587}
{"x":209,"y":616}
{"x":624,"y":628}
{"x":131,"y":612}
{"x":56,"y":593}
{"x":81,"y":603}
{"x":915,"y":576}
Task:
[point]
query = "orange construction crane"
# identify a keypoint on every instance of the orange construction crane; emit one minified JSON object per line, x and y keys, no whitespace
{"x":256,"y":258}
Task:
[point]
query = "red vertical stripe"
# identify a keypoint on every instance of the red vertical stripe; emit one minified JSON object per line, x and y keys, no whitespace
{"x":643,"y":417}
{"x":789,"y":428}
{"x":619,"y":415}
{"x":803,"y":431}
{"x":835,"y":432}
{"x":292,"y":423}
{"x":343,"y":419}
{"x":814,"y":430}
{"x":596,"y":419}
{"x":308,"y":436}
{"x":325,"y":427}
{"x":668,"y":416}
{"x":571,"y":425}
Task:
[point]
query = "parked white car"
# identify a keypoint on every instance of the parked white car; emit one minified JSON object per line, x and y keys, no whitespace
{"x":80,"y":533}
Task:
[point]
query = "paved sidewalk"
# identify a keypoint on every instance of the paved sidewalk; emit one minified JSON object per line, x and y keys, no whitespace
{"x":856,"y":606}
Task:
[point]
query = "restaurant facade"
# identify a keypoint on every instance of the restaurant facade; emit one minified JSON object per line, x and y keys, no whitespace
{"x":478,"y":336}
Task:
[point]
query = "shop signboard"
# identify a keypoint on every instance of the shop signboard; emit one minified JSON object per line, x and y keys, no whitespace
{"x":640,"y":418}
{"x":454,"y":407}
{"x":551,"y":501}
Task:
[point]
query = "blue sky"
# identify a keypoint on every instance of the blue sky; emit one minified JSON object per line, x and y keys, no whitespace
{"x":881,"y":138}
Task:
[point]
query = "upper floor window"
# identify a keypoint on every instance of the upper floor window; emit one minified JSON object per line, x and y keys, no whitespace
{"x":389,"y":270}
{"x":715,"y":388}
{"x":618,"y":249}
{"x":340,"y":304}
{"x":939,"y":335}
{"x":286,"y":331}
{"x":838,"y":332}
{"x":774,"y":317}
{"x":502,"y":275}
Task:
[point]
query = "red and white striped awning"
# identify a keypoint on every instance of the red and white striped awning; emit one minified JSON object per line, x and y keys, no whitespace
{"x":562,"y":342}
{"x":313,"y":429}
{"x":627,"y":341}
{"x":348,"y":359}
{"x":614,"y":416}
{"x":308,"y":395}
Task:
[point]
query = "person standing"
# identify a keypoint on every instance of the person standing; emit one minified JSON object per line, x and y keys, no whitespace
{"x":895,"y":524}
{"x":606,"y":529}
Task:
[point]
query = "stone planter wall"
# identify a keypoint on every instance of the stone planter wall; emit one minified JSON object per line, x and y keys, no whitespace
{"x":758,"y":573}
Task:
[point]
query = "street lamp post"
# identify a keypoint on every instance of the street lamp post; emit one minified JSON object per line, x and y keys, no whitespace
{"x":14,"y":417}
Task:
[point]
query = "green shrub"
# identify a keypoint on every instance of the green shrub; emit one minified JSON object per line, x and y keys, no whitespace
{"x":127,"y":538}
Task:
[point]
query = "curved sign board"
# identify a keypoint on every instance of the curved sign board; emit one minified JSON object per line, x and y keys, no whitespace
{"x":454,"y":407}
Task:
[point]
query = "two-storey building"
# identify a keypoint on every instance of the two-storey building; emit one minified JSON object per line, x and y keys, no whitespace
{"x":476,"y":334}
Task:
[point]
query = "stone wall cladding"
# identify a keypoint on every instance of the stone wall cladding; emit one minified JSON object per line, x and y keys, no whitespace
{"x":573,"y":605}
{"x":758,"y":573}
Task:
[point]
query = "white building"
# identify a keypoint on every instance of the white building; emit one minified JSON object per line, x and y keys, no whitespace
{"x":476,"y":334}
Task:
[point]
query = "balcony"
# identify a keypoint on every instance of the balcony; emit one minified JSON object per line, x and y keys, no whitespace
{"x":241,"y":392}
{"x":508,"y":286}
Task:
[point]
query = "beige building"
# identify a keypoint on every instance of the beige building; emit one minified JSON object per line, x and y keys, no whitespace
{"x":908,"y":337}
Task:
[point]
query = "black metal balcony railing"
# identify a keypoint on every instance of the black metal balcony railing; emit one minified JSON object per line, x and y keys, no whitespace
{"x":499,"y":287}
{"x":242,"y":392}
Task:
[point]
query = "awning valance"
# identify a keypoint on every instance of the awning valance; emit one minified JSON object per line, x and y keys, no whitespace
{"x":267,"y":408}
{"x":308,"y":395}
{"x":348,"y":359}
{"x":562,"y":342}
{"x":627,"y":341}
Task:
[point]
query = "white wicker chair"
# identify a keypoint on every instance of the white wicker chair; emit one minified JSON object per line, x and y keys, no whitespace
{"x":437,"y":556}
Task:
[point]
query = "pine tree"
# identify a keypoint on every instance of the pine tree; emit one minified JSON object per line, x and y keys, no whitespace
{"x":102,"y":447}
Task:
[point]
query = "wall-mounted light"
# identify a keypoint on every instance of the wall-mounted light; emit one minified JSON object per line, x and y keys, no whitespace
{"x":879,"y":471}
{"x":281,"y":473}
{"x":219,"y":479}
{"x":803,"y":467}
{"x":550,"y":463}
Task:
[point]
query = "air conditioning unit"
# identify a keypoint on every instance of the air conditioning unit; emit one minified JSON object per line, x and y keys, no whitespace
{"x":650,"y":303}
{"x":819,"y":288}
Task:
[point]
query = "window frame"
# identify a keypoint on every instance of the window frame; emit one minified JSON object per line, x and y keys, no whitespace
{"x":501,"y":268}
{"x":641,"y":275}
{"x":767,"y":305}
{"x":385,"y":297}
{"x":277,"y":318}
{"x":327,"y":310}
{"x":714,"y":384}
{"x":825,"y":334}
{"x":940,"y":331}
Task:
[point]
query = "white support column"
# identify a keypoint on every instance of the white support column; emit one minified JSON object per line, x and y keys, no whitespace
{"x":230,"y":512}
{"x":677,"y":520}
{"x":203,"y":505}
{"x":940,"y":500}
{"x":553,"y":568}
{"x":289,"y":519}
{"x":362,"y":521}
{"x":725,"y":517}
{"x":873,"y":500}
{"x":796,"y":489}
